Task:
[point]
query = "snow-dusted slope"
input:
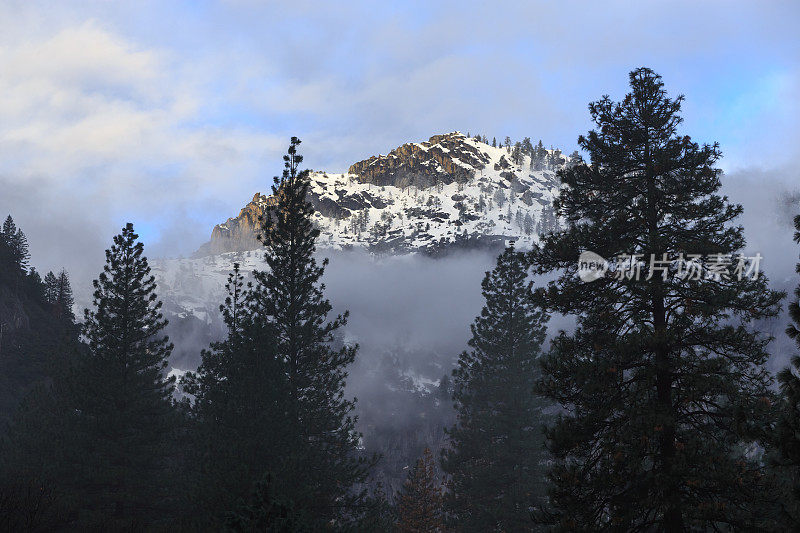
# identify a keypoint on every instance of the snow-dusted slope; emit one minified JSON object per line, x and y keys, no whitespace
{"x":421,"y":197}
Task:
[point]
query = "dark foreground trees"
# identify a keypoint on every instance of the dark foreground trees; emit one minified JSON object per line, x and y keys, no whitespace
{"x":32,"y":340}
{"x":123,"y":398}
{"x":495,"y":460}
{"x":787,"y":435}
{"x":239,"y":403}
{"x":288,"y":299}
{"x":98,"y":437}
{"x":662,"y":381}
{"x":13,"y":252}
{"x":274,"y":389}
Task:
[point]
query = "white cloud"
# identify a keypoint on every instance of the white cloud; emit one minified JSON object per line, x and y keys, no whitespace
{"x":86,"y":99}
{"x":96,"y":130}
{"x":162,"y":112}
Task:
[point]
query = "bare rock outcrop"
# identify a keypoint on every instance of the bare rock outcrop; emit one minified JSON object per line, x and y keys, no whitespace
{"x":442,"y":159}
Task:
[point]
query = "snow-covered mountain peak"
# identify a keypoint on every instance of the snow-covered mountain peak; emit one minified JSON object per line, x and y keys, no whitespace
{"x":451,"y":190}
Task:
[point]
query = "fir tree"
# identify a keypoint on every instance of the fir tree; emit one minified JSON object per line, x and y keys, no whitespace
{"x":420,"y":500}
{"x":321,"y":468}
{"x":496,"y":449}
{"x":494,"y":142}
{"x":662,"y":381}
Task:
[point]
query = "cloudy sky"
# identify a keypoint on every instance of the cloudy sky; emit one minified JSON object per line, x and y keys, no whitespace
{"x":173,"y":114}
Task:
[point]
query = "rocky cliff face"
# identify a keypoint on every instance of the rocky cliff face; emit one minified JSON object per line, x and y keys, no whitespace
{"x":238,"y":233}
{"x":421,"y":197}
{"x":442,"y":159}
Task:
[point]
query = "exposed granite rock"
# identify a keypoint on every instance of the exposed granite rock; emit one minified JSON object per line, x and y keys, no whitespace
{"x":442,"y":159}
{"x":238,"y":233}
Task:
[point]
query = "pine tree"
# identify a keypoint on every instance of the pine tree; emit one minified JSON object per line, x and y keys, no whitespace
{"x":50,"y":288}
{"x":516,"y":153}
{"x":662,"y":380}
{"x":379,"y":515}
{"x":528,"y":224}
{"x":97,"y":432}
{"x":496,"y":447}
{"x":787,"y":438}
{"x":494,"y":142}
{"x":63,"y":296}
{"x":13,"y":252}
{"x":240,"y":404}
{"x":538,"y":157}
{"x":322,"y":468}
{"x":32,"y":344}
{"x":420,"y":499}
{"x":527,"y":146}
{"x":500,"y":198}
{"x":575,"y":158}
{"x":121,"y":393}
{"x":35,"y":285}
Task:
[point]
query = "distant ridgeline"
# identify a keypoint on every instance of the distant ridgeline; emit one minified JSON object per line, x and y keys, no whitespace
{"x":452,"y":190}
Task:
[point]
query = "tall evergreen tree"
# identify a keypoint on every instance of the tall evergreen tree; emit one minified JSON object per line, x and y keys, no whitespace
{"x":63,"y":296}
{"x":240,"y":402}
{"x":516,"y":153}
{"x":662,"y":381}
{"x":95,"y":435}
{"x":35,"y":285}
{"x":420,"y":500}
{"x":29,"y":338}
{"x":279,"y":358}
{"x":527,"y":146}
{"x":50,"y":288}
{"x":288,"y":298}
{"x":496,"y":449}
{"x":13,"y":252}
{"x":121,"y":394}
{"x":788,"y":428}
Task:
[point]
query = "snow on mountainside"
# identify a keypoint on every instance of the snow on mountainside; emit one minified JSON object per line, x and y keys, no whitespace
{"x":422,"y":197}
{"x":450,"y":192}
